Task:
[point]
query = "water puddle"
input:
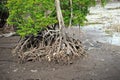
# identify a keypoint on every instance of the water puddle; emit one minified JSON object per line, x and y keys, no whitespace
{"x":112,"y":39}
{"x":115,"y":39}
{"x":100,"y":19}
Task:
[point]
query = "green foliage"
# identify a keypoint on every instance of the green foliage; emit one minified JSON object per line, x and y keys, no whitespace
{"x":103,"y":2}
{"x":80,"y":10}
{"x":31,"y":16}
{"x":3,"y":8}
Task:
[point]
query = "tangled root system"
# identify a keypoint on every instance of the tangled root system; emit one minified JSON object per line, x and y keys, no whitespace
{"x":49,"y":45}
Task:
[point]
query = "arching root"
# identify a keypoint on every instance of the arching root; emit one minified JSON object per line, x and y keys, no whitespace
{"x":49,"y":45}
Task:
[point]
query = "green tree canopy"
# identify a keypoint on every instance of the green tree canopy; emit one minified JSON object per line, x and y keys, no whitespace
{"x":31,"y":16}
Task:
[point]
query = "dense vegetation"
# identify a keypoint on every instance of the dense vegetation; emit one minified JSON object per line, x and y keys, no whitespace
{"x":44,"y":23}
{"x":3,"y":13}
{"x":33,"y":15}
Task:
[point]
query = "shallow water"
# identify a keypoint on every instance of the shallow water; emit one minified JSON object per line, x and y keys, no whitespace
{"x":101,"y":18}
{"x":115,"y":39}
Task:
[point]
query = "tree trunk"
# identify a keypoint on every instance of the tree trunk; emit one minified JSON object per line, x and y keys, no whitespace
{"x":59,"y":14}
{"x":71,"y":14}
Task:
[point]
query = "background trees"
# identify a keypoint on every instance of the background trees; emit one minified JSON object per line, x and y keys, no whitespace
{"x":3,"y":13}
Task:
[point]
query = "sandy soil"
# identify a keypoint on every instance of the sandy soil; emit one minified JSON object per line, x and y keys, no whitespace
{"x":101,"y":63}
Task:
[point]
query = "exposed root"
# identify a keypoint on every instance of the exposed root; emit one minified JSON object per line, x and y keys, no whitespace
{"x":49,"y":45}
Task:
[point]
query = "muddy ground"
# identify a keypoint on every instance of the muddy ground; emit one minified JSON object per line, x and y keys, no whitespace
{"x":102,"y":60}
{"x":101,"y":63}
